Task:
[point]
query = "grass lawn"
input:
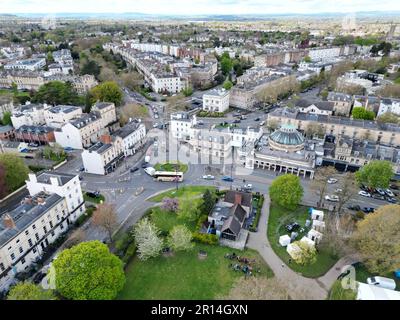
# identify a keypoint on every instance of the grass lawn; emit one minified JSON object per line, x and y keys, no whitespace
{"x":170,"y":166}
{"x":182,"y":192}
{"x":165,"y":221}
{"x":92,"y":199}
{"x":184,"y":275}
{"x":278,"y":218}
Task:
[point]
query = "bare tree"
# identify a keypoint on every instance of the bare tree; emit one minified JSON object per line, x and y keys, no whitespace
{"x":347,"y":188}
{"x":320,"y":182}
{"x":76,"y":237}
{"x":105,"y":217}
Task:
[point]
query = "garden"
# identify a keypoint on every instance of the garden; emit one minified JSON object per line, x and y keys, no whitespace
{"x":170,"y":166}
{"x":279,"y":218}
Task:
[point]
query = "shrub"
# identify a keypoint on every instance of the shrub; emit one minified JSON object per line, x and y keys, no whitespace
{"x":360,"y":215}
{"x":205,"y":238}
{"x":129,"y":253}
{"x":84,"y":217}
{"x":254,"y":225}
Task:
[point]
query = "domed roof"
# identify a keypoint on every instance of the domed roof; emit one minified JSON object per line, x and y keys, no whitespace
{"x":287,"y":135}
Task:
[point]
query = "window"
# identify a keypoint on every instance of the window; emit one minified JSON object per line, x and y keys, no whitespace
{"x":22,"y":260}
{"x":34,"y":250}
{"x":2,"y":268}
{"x":45,"y":229}
{"x":51,"y":224}
{"x":26,"y":232}
{"x":37,"y":236}
{"x":33,"y":227}
{"x":20,"y":250}
{"x":30,"y":242}
{"x":12,"y":256}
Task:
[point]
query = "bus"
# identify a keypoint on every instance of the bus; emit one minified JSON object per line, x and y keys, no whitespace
{"x":168,"y":176}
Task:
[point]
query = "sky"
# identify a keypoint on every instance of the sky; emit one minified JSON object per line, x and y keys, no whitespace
{"x":181,"y":7}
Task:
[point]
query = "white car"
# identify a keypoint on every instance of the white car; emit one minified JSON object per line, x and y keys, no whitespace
{"x":208,"y":177}
{"x":332,"y":180}
{"x":364,"y":194}
{"x":339,"y":190}
{"x":155,"y":125}
{"x":248,"y":186}
{"x":332,"y":198}
{"x":389,"y":193}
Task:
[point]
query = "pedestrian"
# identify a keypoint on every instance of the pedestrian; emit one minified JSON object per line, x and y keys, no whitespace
{"x":283,"y":265}
{"x":290,"y":261}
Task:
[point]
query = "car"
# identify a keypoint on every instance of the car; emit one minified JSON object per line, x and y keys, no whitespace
{"x":292,"y":226}
{"x":332,"y":180}
{"x":39,"y":277}
{"x":247,"y":187}
{"x":364,"y":194}
{"x":200,"y":122}
{"x":378,"y":197}
{"x":134,"y":169}
{"x":354,"y":207}
{"x":382,"y":282}
{"x":33,"y":144}
{"x":262,"y":123}
{"x":237,"y":121}
{"x":368,"y":210}
{"x":144,"y":165}
{"x":80,"y":169}
{"x":391,"y":200}
{"x":227,"y":178}
{"x":208,"y":177}
{"x":257,"y":119}
{"x":394,"y":187}
{"x":338,"y":190}
{"x":80,"y":177}
{"x":389,"y":193}
{"x":380,"y":191}
{"x":155,"y":125}
{"x":333,"y":198}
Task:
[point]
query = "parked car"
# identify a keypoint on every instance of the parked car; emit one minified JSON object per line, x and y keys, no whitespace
{"x":144,"y":165}
{"x":333,"y":198}
{"x":391,"y":200}
{"x":292,"y":226}
{"x":382,"y":282}
{"x":237,"y":121}
{"x":33,"y":144}
{"x":38,"y":277}
{"x":354,"y":207}
{"x":227,"y":178}
{"x":338,"y":190}
{"x":380,"y":191}
{"x":257,"y":119}
{"x":389,"y":193}
{"x":208,"y":177}
{"x":378,"y":197}
{"x":332,"y":180}
{"x":394,"y":187}
{"x":262,"y":123}
{"x":364,"y":194}
{"x":248,"y":187}
{"x":155,"y":125}
{"x":368,"y":210}
{"x":134,"y":169}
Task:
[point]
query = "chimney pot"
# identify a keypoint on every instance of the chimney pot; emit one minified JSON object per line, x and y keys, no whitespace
{"x":238,"y":198}
{"x":9,"y":222}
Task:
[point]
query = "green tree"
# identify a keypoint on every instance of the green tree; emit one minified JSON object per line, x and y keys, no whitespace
{"x":307,"y":59}
{"x":188,"y":210}
{"x":377,"y":239}
{"x":88,"y":271}
{"x":362,"y":113}
{"x":180,"y":238}
{"x":226,"y":65}
{"x":108,"y":91}
{"x":388,"y":117}
{"x":208,"y":202}
{"x":286,"y":191}
{"x":29,"y":291}
{"x":91,"y":67}
{"x":376,"y":174}
{"x":16,"y":172}
{"x":6,"y":118}
{"x":307,"y":254}
{"x":49,"y":58}
{"x":227,"y":85}
{"x":188,"y":91}
{"x":55,"y":93}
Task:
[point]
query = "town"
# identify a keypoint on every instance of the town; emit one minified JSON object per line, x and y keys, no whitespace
{"x":163,"y":157}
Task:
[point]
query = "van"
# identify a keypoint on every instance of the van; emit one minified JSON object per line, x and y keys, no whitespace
{"x":382,"y":282}
{"x":150,"y":171}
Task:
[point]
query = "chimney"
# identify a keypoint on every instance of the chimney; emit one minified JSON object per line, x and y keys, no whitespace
{"x":238,"y":198}
{"x":32,"y":178}
{"x":106,"y":139}
{"x":8,"y":222}
{"x":27,"y":200}
{"x":40,"y":200}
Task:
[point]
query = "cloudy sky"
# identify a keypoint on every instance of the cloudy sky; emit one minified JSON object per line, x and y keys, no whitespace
{"x":197,"y":6}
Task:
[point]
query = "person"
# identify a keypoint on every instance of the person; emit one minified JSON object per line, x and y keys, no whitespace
{"x":290,"y":261}
{"x":283,"y":265}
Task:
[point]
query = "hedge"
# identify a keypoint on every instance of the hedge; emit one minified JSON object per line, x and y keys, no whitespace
{"x":84,"y":217}
{"x":254,"y":225}
{"x":205,"y":238}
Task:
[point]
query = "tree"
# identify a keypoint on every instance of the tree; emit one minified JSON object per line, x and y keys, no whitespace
{"x":88,"y":271}
{"x":347,"y":188}
{"x":170,"y":204}
{"x":314,"y":129}
{"x":3,"y":185}
{"x":56,"y":93}
{"x":272,"y":125}
{"x":227,"y":85}
{"x":208,"y":202}
{"x":91,"y":67}
{"x":180,"y":238}
{"x":307,"y":59}
{"x":6,"y":118}
{"x":388,"y":117}
{"x":307,"y":254}
{"x":390,"y":90}
{"x":362,"y":113}
{"x":286,"y":191}
{"x":147,"y":237}
{"x":50,"y":58}
{"x":16,"y":172}
{"x":376,"y":174}
{"x":226,"y":65}
{"x":377,"y":239}
{"x":108,"y":91}
{"x":76,"y":237}
{"x":106,"y":218}
{"x":320,"y":182}
{"x":337,"y":292}
{"x":188,"y":91}
{"x":29,"y":291}
{"x":188,"y":211}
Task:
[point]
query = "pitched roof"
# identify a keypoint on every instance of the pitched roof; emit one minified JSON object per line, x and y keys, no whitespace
{"x":231,"y":224}
{"x":246,"y":197}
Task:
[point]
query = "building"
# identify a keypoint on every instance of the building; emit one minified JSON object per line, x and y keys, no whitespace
{"x":27,"y":64}
{"x":342,"y":103}
{"x":228,"y":215}
{"x":315,"y":107}
{"x":54,"y":203}
{"x":80,"y":132}
{"x":181,"y":125}
{"x":389,"y":105}
{"x":285,"y":150}
{"x":133,"y":137}
{"x":29,"y":114}
{"x":6,"y":105}
{"x":216,"y":100}
{"x":104,"y":156}
{"x":6,"y":132}
{"x":383,"y":133}
{"x":59,"y":115}
{"x":35,"y":134}
{"x":107,"y":113}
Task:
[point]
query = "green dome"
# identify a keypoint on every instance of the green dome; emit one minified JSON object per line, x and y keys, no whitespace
{"x":287,"y":135}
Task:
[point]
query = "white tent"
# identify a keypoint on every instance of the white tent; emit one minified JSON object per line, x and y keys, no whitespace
{"x":317,"y":215}
{"x":318,"y":225}
{"x":293,"y":250}
{"x":314,"y":235}
{"x":284,"y":240}
{"x":308,"y":241}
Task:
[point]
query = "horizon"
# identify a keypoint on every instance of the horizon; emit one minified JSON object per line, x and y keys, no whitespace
{"x":201,"y":7}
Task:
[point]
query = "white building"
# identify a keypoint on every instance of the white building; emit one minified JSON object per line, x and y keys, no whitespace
{"x":55,"y":202}
{"x":133,"y":136}
{"x":323,"y":54}
{"x":28,"y":64}
{"x":59,"y":115}
{"x":30,"y":115}
{"x":216,"y":100}
{"x":389,"y":105}
{"x":181,"y":125}
{"x":107,"y":112}
{"x":103,"y":157}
